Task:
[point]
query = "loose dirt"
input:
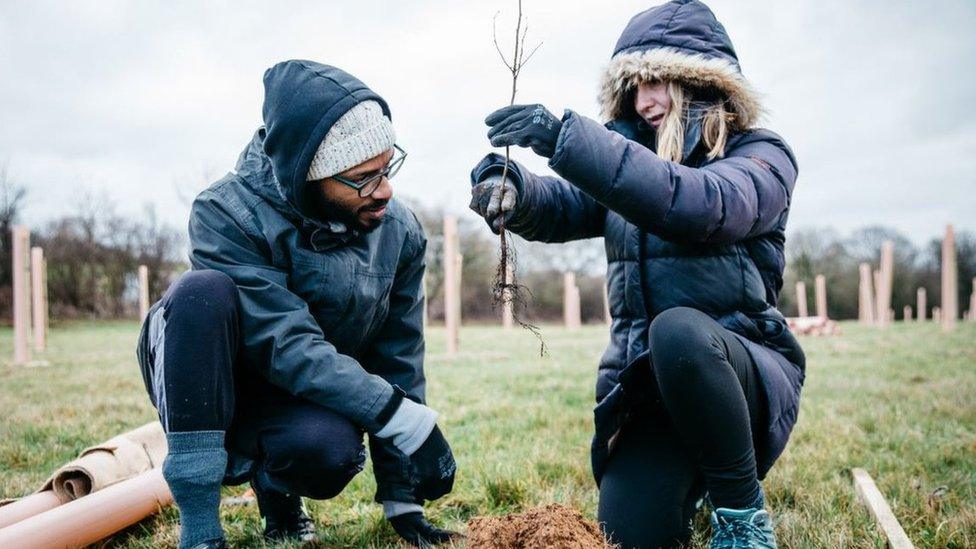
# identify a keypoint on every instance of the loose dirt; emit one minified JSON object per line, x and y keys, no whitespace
{"x":552,"y":526}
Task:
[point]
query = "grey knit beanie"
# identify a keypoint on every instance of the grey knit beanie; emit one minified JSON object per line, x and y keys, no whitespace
{"x":362,"y":133}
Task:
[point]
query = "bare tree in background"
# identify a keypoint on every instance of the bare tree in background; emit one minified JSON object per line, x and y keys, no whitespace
{"x":94,"y":253}
{"x":12,"y":198}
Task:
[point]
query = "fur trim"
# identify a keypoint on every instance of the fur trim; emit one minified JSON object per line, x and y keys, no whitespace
{"x":627,"y":70}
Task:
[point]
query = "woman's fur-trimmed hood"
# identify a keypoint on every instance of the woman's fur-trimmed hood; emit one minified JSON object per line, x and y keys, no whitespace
{"x":679,"y":41}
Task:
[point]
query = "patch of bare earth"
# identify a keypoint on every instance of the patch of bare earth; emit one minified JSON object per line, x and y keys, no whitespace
{"x":551,"y":526}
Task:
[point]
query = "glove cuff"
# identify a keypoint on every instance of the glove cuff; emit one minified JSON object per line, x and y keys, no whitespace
{"x":409,"y":426}
{"x":396,"y":508}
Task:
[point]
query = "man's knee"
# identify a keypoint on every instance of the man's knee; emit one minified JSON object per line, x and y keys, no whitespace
{"x":204,"y":295}
{"x":315,"y":463}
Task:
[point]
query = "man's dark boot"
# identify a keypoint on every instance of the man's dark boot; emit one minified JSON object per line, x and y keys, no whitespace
{"x":283,"y":515}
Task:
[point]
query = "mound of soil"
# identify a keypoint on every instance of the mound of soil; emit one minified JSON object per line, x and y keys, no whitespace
{"x":551,"y":526}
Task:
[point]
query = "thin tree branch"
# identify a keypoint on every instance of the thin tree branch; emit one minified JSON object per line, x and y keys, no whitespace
{"x":506,"y":290}
{"x":494,"y":37}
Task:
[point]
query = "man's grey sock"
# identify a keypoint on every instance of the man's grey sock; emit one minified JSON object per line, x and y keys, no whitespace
{"x":194,"y":468}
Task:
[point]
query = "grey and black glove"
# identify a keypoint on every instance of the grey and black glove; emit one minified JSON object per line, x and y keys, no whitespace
{"x":417,"y":530}
{"x":526,"y":126}
{"x":494,"y":200}
{"x":412,"y":427}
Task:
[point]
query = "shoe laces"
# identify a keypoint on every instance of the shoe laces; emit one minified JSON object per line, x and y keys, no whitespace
{"x":737,"y":531}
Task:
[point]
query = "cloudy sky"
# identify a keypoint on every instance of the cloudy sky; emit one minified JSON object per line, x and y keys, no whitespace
{"x":145,"y":102}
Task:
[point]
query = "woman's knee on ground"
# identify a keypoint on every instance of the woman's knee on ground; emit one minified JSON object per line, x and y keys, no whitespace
{"x":204,"y":296}
{"x":682,"y":346}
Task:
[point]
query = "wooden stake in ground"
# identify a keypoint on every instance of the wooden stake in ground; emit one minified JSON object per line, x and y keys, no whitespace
{"x":39,"y":298}
{"x":820,"y":295}
{"x":920,"y":306}
{"x":47,"y":310}
{"x":937,"y":315}
{"x":571,"y":302}
{"x":452,"y":286}
{"x":801,"y":299}
{"x":143,"y":291}
{"x":950,"y":281}
{"x":869,"y":494}
{"x":20,"y":239}
{"x":876,"y":280}
{"x":865,"y":294}
{"x":885,"y":283}
{"x":906,"y":313}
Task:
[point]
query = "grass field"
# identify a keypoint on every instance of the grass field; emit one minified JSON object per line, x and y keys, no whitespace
{"x":901,"y":403}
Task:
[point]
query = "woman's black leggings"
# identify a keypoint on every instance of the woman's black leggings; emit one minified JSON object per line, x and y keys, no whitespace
{"x":703,"y":439}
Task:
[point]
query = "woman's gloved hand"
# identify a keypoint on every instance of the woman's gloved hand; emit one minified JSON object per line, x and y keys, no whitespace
{"x":526,"y":126}
{"x":417,"y":530}
{"x":490,"y":202}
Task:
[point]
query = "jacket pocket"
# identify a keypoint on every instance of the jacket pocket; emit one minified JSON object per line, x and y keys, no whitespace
{"x":325,"y":284}
{"x":372,"y":299}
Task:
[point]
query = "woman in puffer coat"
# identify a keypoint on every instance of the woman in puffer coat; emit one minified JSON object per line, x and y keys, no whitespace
{"x":699,"y":387}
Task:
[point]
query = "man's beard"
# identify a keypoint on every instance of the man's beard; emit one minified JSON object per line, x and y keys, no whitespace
{"x":351,"y":218}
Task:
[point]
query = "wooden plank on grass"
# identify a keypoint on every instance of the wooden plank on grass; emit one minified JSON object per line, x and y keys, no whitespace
{"x":868,"y":491}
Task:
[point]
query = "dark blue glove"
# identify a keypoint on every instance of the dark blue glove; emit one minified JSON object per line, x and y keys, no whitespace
{"x":526,"y":126}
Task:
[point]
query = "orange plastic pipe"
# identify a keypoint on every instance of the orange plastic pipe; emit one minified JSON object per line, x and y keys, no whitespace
{"x":94,"y":517}
{"x":28,"y":507}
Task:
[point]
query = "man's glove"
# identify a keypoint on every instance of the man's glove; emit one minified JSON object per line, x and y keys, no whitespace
{"x":488,"y":202}
{"x":413,"y":430}
{"x":432,"y":467}
{"x":416,"y":529}
{"x":525,"y":126}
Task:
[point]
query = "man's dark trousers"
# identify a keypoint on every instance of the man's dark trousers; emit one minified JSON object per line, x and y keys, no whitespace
{"x":188,"y":353}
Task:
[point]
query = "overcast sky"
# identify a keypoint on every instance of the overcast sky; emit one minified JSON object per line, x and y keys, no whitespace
{"x":147,"y":101}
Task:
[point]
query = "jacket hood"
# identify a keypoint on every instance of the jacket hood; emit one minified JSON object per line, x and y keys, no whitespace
{"x":302,"y":100}
{"x":681,"y":41}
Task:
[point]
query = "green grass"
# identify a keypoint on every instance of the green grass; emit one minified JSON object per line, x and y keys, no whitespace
{"x":900,"y":403}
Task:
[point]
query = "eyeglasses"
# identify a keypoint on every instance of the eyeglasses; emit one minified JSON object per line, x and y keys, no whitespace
{"x":368,"y":185}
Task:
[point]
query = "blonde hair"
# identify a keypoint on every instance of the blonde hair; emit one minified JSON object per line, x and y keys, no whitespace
{"x":715,"y":125}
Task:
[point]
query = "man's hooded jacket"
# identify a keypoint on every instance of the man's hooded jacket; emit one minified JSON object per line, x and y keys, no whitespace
{"x":706,"y":234}
{"x":328,"y":313}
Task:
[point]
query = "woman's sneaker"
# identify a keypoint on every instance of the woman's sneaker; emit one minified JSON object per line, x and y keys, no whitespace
{"x":741,"y":529}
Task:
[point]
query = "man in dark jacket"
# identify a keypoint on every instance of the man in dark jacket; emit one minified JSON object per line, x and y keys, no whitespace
{"x":300,"y":326}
